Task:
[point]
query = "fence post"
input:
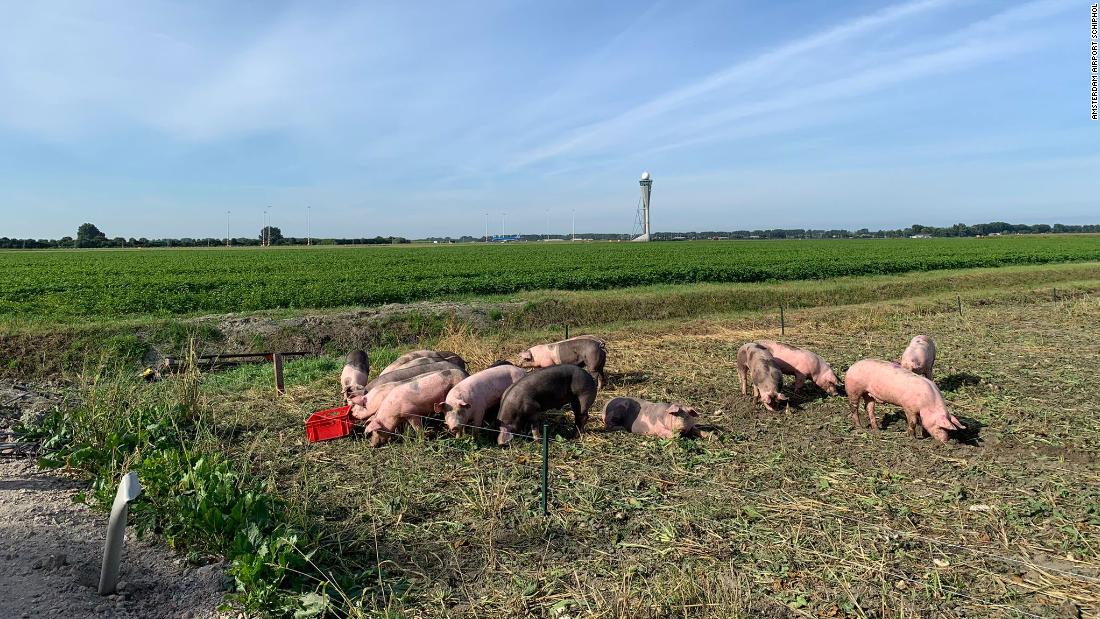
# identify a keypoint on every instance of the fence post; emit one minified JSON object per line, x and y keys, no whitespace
{"x":277,"y":360}
{"x":566,"y":331}
{"x":545,"y":465}
{"x":1054,"y":295}
{"x":782,"y":322}
{"x":959,"y":304}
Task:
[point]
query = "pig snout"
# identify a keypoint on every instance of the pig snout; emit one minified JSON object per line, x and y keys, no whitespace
{"x":939,"y":425}
{"x":773,"y":401}
{"x":505,"y":436}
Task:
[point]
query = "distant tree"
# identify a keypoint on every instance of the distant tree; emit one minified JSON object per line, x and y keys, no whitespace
{"x":271,"y":234}
{"x":88,"y":235}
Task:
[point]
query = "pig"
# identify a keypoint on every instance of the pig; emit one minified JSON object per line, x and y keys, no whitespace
{"x":585,"y":351}
{"x":801,"y":364}
{"x":410,"y":358}
{"x":410,"y":402}
{"x":659,"y":419}
{"x":353,"y":378}
{"x":874,"y":380}
{"x":919,"y":356}
{"x":767,"y":380}
{"x":363,"y":407}
{"x":403,"y":374}
{"x":542,"y":390}
{"x":468,"y":402}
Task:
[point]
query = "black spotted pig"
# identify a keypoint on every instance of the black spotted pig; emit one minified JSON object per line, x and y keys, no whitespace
{"x":415,"y":357}
{"x":545,"y":389}
{"x":412,"y":371}
{"x":353,"y":378}
{"x":410,"y":402}
{"x":767,"y":380}
{"x":585,"y":351}
{"x":659,"y":419}
{"x":919,"y":356}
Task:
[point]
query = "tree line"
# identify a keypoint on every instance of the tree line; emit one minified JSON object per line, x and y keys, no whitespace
{"x":88,"y":235}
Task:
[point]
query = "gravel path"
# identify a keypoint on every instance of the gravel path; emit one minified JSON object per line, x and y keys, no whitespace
{"x":51,"y":549}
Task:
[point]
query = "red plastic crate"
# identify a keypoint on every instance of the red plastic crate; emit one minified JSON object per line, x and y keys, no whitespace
{"x":328,"y":424}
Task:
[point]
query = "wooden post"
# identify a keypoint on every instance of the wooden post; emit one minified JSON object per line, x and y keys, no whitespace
{"x":782,"y":322}
{"x":277,"y":360}
{"x":566,"y":331}
{"x":959,"y":303}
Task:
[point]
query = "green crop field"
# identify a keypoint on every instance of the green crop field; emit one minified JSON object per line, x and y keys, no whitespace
{"x":105,"y":284}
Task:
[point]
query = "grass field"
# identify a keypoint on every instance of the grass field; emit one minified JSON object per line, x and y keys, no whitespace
{"x":61,"y":286}
{"x":777,"y":515}
{"x":789,"y":514}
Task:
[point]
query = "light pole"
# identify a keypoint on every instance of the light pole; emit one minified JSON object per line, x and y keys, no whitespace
{"x":486,"y":239}
{"x":574,"y":225}
{"x":227,"y":229}
{"x":503,"y":217}
{"x":309,"y":241}
{"x":546,"y":237}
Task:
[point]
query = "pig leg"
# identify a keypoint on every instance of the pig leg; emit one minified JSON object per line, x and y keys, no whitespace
{"x":871,"y":414}
{"x":853,"y":410}
{"x":911,"y":426}
{"x":601,"y":380}
{"x":743,"y":374}
{"x":799,"y":380}
{"x":580,"y":415}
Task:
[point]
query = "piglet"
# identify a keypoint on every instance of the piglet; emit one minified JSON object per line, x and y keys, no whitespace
{"x":470,"y":399}
{"x":584,"y":351}
{"x":919,"y":356}
{"x":767,"y":380}
{"x":801,"y":363}
{"x":874,"y":380}
{"x":353,"y":378}
{"x":545,"y":389}
{"x":659,"y":419}
{"x":410,"y":402}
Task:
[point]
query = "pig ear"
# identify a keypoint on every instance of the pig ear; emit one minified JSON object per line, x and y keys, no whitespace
{"x":691,"y":411}
{"x":526,"y":355}
{"x":672,"y":409}
{"x":781,"y":397}
{"x":462,"y":403}
{"x":440,"y":407}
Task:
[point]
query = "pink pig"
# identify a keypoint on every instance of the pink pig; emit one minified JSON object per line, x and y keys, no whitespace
{"x":364,"y":406}
{"x":919,"y":356}
{"x":470,"y":399}
{"x":410,"y":402}
{"x":801,"y":363}
{"x":756,"y":366}
{"x":874,"y":380}
{"x":659,"y":419}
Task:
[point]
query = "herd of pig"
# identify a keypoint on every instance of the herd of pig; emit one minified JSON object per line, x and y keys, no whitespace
{"x":426,"y":384}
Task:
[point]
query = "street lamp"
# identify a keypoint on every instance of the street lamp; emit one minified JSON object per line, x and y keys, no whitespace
{"x":309,"y":241}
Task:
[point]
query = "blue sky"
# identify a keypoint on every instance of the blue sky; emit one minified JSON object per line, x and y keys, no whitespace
{"x":152,"y":119}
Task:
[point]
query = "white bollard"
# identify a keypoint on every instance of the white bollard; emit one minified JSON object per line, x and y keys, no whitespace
{"x":128,"y":490}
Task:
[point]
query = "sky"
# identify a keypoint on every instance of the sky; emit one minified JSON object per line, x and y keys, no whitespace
{"x":154,"y":119}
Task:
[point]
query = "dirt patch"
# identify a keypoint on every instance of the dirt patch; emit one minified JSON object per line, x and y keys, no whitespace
{"x":51,"y":547}
{"x":50,"y":553}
